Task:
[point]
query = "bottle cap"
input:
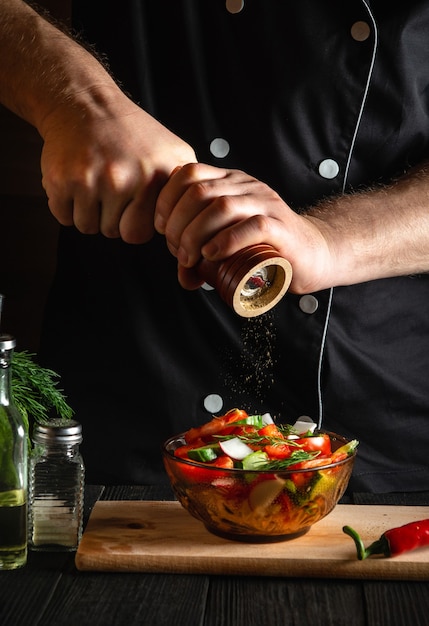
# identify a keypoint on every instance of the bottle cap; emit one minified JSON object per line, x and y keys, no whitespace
{"x":61,"y":431}
{"x":7,"y":342}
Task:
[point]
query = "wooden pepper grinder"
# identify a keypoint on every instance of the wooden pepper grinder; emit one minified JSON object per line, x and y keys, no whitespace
{"x":251,"y":281}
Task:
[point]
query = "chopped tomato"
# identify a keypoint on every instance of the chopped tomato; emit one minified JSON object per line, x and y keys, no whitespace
{"x":278,"y":451}
{"x":182,"y":451}
{"x":215,"y":426}
{"x":242,"y":429}
{"x":338,"y":457}
{"x":310,"y":463}
{"x":301,"y":480}
{"x":317,"y":443}
{"x":223,"y":461}
{"x":271,"y":430}
{"x":204,"y":472}
{"x":273,"y":449}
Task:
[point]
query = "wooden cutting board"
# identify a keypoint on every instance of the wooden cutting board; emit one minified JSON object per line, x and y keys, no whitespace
{"x":136,"y":536}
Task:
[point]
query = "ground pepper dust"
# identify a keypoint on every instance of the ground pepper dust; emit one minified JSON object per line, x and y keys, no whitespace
{"x":253,"y":372}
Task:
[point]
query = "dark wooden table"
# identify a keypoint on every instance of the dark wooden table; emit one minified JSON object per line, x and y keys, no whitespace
{"x":50,"y":591}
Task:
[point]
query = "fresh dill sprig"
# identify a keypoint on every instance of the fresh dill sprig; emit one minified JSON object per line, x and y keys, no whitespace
{"x":35,"y":390}
{"x":255,"y":438}
{"x":297,"y":456}
{"x":287,"y":429}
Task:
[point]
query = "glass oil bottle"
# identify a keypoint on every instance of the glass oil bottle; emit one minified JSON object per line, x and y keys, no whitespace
{"x":13,"y":467}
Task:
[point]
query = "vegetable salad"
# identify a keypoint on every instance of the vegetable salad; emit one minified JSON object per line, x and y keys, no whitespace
{"x":245,"y":476}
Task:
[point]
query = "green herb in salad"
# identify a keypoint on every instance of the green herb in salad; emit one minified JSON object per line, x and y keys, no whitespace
{"x":238,"y":440}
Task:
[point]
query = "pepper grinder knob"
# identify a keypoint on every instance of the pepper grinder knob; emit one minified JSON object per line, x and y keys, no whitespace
{"x":251,"y":281}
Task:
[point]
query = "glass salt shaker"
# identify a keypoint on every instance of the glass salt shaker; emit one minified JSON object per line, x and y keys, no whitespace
{"x":56,"y":487}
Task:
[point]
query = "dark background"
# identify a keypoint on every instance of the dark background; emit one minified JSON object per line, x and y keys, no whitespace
{"x":28,"y":231}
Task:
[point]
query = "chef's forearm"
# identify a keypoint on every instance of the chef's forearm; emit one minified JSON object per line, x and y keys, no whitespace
{"x":378,"y":233}
{"x":42,"y":68}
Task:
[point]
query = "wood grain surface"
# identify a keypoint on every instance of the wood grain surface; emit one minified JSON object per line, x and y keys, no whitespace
{"x":161,"y":537}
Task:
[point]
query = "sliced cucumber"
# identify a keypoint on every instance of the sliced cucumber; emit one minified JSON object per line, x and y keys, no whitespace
{"x":255,"y":460}
{"x":204,"y":454}
{"x":258,"y":421}
{"x":348,"y":448}
{"x":251,"y":420}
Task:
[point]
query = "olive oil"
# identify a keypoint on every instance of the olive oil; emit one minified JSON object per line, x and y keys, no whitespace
{"x":13,"y":468}
{"x":13,"y":535}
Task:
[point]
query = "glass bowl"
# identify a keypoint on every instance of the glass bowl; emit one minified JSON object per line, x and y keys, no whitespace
{"x":257,"y":505}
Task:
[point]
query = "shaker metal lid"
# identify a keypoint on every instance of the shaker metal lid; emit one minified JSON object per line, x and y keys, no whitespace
{"x":7,"y":342}
{"x":60,"y":430}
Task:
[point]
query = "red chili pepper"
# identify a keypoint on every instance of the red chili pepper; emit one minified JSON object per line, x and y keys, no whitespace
{"x":394,"y":541}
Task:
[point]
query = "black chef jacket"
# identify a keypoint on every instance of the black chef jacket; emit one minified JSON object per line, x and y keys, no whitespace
{"x":315,"y":97}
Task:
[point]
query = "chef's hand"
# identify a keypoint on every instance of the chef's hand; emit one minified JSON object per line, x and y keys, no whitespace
{"x":103,"y":167}
{"x":212,"y":212}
